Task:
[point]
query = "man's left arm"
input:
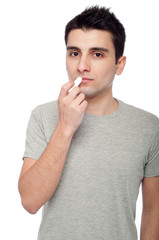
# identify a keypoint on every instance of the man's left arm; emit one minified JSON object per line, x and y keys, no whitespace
{"x":150,"y":214}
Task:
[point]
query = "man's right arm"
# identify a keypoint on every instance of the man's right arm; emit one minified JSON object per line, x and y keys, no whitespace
{"x":39,"y":178}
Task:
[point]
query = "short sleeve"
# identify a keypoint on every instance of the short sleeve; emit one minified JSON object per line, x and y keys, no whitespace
{"x":35,"y":142}
{"x":152,"y":165}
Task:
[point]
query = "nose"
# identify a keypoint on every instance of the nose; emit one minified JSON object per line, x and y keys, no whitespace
{"x":84,"y":64}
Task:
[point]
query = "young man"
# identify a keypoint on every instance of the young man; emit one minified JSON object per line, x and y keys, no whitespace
{"x":87,"y":153}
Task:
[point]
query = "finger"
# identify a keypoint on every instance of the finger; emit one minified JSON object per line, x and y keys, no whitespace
{"x":73,"y":93}
{"x":79,"y":99}
{"x":83,"y":105}
{"x":65,"y":88}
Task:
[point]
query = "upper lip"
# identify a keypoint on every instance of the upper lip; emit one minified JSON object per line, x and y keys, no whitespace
{"x":85,"y":78}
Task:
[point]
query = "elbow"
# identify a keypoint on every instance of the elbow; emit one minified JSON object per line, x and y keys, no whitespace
{"x":27,"y":202}
{"x":29,"y":206}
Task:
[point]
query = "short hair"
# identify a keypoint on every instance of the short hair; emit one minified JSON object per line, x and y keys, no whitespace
{"x":100,"y":18}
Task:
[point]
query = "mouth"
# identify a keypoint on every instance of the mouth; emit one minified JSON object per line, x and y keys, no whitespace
{"x":85,"y":80}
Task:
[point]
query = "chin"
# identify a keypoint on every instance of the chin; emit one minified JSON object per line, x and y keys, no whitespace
{"x":88,"y":92}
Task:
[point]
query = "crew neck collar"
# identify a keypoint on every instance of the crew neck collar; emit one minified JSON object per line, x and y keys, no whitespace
{"x":107,"y":116}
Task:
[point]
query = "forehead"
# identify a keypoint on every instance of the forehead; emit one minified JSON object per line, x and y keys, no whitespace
{"x":90,"y":38}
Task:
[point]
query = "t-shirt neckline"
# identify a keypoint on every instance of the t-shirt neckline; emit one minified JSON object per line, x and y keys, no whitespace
{"x":107,"y":116}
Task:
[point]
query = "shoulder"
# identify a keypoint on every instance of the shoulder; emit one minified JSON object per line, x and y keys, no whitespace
{"x":45,"y":108}
{"x":47,"y":111}
{"x":141,"y":119}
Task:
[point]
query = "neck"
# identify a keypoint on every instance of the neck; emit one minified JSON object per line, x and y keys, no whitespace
{"x":101,"y":104}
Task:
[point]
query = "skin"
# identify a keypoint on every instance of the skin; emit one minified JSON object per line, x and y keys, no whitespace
{"x":91,"y":54}
{"x":150,"y":213}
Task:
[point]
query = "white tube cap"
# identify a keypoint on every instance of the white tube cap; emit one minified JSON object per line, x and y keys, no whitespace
{"x":77,"y":83}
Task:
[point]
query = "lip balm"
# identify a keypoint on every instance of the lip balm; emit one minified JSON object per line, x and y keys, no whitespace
{"x":77,"y":82}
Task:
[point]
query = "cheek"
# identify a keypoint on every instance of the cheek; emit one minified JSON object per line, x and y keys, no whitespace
{"x":70,"y":66}
{"x":71,"y":71}
{"x":110,"y":70}
{"x":106,"y":75}
{"x":67,"y":65}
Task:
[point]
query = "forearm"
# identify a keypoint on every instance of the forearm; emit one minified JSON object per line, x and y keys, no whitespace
{"x":150,"y":225}
{"x":39,"y":183}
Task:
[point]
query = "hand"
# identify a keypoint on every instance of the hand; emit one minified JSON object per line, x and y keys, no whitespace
{"x":71,"y":106}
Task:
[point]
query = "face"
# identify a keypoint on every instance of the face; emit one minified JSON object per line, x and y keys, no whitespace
{"x":91,"y":55}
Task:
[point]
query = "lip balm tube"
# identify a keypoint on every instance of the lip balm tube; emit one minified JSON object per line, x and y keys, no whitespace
{"x":77,"y":82}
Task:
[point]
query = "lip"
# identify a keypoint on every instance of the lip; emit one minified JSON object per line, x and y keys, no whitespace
{"x":84,"y":80}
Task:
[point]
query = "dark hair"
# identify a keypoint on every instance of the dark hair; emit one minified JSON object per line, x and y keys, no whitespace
{"x":102,"y":19}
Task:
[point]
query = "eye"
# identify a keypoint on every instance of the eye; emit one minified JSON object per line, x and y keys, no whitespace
{"x":99,"y":55}
{"x":74,"y":54}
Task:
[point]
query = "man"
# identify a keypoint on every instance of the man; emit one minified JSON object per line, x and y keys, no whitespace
{"x":87,"y":153}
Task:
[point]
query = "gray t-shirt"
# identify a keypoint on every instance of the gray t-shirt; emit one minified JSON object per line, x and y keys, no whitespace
{"x":106,"y":162}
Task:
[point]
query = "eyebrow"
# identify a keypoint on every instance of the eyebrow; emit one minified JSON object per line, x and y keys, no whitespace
{"x":91,"y":49}
{"x":73,"y":48}
{"x":99,"y":49}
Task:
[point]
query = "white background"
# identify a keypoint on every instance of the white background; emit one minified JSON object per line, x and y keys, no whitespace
{"x":32,"y":70}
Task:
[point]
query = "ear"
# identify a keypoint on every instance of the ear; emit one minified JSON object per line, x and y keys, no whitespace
{"x":120,"y":65}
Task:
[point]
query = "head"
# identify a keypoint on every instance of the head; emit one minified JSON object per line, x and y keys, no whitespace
{"x":95,"y":44}
{"x":100,"y":18}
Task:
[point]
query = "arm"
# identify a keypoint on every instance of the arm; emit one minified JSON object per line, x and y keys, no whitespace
{"x":39,"y":178}
{"x":150,"y":214}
